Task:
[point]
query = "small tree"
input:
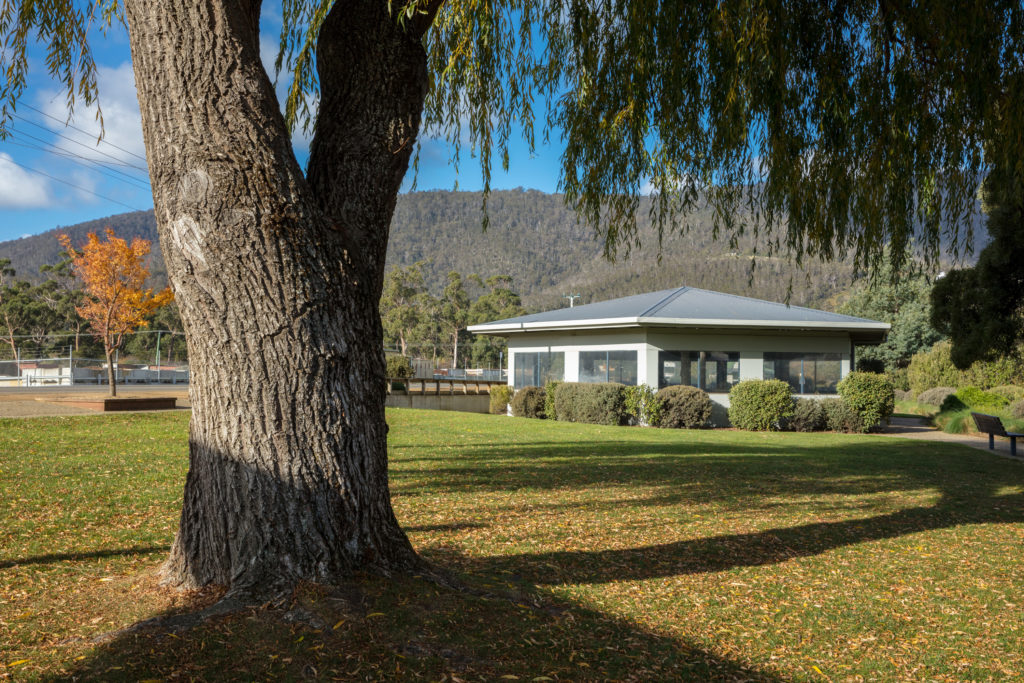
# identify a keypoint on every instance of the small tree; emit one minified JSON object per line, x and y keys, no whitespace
{"x":113,"y":273}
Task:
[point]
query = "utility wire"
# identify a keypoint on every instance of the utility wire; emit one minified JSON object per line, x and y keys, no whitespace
{"x":81,"y":161}
{"x":105,"y":164}
{"x":77,"y":187}
{"x":80,"y":144}
{"x":68,"y":125}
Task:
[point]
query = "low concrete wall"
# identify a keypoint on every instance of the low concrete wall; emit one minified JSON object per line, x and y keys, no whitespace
{"x":459,"y":402}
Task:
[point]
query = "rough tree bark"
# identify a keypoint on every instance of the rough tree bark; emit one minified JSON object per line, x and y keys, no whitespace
{"x":278,"y":278}
{"x":111,"y":373}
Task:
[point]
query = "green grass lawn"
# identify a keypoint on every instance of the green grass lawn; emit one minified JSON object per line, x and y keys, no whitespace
{"x":591,"y":553}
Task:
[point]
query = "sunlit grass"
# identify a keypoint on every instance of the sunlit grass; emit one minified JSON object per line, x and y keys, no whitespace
{"x":593,"y":553}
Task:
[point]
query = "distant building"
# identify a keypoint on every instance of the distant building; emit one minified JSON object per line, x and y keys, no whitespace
{"x":688,"y":336}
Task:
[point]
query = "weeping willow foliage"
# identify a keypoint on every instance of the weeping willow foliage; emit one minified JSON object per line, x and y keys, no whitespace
{"x":822,"y":127}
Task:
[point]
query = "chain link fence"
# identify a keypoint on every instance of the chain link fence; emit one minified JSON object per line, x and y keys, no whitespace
{"x":146,"y":357}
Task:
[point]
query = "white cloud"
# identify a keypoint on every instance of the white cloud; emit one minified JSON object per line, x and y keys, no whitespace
{"x":87,"y":184}
{"x":122,"y":123}
{"x":20,"y":189}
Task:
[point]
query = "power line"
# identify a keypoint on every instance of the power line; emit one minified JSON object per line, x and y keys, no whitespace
{"x":68,"y":125}
{"x":128,"y":180}
{"x":80,"y":144}
{"x":77,"y":187}
{"x":100,"y":162}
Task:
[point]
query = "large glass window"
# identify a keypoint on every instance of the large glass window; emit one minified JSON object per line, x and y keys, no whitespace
{"x":712,"y":371}
{"x":806,"y":373}
{"x":608,"y":366}
{"x":535,"y":369}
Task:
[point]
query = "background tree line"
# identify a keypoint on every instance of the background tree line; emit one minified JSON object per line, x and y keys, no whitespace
{"x":40,"y":318}
{"x":422,"y":325}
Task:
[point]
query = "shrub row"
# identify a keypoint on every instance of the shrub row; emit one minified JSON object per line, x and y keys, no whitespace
{"x":934,"y":368}
{"x":501,"y":394}
{"x":866,"y":399}
{"x":757,"y":405}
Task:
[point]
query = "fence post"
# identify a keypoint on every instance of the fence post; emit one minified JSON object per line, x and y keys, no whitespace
{"x":158,"y":333}
{"x":71,"y":365}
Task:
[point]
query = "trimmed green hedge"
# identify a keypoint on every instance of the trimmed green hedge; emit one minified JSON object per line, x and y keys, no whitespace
{"x":528,"y":402}
{"x":760,"y":405}
{"x":871,"y":395}
{"x":602,"y":403}
{"x":808,"y":416}
{"x":501,"y":394}
{"x":840,"y":416}
{"x":684,"y":407}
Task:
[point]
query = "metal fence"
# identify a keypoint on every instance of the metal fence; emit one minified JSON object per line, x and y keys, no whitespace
{"x":36,"y":372}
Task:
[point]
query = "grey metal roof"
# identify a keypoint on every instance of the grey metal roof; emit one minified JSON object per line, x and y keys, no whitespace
{"x":683,"y":306}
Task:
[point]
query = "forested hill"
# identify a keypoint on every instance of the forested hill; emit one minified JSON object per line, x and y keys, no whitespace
{"x":533,"y":237}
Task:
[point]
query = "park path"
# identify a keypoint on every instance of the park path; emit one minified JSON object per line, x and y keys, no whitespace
{"x":918,"y":428}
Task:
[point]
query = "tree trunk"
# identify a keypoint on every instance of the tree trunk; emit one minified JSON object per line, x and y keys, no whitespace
{"x":111,"y":374}
{"x":278,"y":279}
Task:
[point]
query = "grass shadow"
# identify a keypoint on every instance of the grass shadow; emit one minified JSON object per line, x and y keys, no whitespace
{"x":408,"y":628}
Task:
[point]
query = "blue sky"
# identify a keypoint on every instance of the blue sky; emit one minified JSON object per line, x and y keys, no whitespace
{"x":55,"y":175}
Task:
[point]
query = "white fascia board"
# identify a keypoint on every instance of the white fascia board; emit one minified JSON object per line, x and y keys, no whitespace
{"x":605,"y":323}
{"x":796,"y":324}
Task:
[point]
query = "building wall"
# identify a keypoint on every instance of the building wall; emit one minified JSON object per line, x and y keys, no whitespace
{"x":647,"y":342}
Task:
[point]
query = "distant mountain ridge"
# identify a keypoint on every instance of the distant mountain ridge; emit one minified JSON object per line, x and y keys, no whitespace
{"x":535,"y":238}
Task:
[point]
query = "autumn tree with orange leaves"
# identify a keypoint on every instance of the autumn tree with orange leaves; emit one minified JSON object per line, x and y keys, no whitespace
{"x":113,"y":273}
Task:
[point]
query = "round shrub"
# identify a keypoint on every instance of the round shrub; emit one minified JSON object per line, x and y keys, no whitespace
{"x":398,"y":367}
{"x":808,"y":416}
{"x":1009,"y":391}
{"x":1017,"y":409}
{"x":902,"y":395}
{"x":935,"y":396}
{"x":840,"y":416}
{"x":603,"y":403}
{"x":760,"y":405}
{"x":684,"y":407}
{"x":871,"y":395}
{"x":974,"y":398}
{"x":528,"y":402}
{"x":501,"y":394}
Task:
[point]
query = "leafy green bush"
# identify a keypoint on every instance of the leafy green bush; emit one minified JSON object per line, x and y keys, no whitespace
{"x":528,"y":402}
{"x":808,"y":416}
{"x":973,"y":398}
{"x":760,"y":405}
{"x":899,"y":379}
{"x":871,"y":395}
{"x":1017,"y":409}
{"x":603,"y":403}
{"x":501,"y":394}
{"x":398,"y":367}
{"x":642,"y":406}
{"x":840,"y":416}
{"x":935,"y":368}
{"x":935,"y":396}
{"x":549,"y":399}
{"x":1009,"y":392}
{"x":904,"y":395}
{"x":684,"y":407}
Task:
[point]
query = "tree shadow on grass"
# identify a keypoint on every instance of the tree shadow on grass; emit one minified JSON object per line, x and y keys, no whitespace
{"x":409,"y":628}
{"x":740,"y":477}
{"x":729,"y":551}
{"x":74,"y":557}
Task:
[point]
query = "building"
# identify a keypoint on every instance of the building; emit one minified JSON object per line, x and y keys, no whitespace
{"x":685,"y":336}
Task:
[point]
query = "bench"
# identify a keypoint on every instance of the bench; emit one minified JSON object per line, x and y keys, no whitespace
{"x":994,"y":427}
